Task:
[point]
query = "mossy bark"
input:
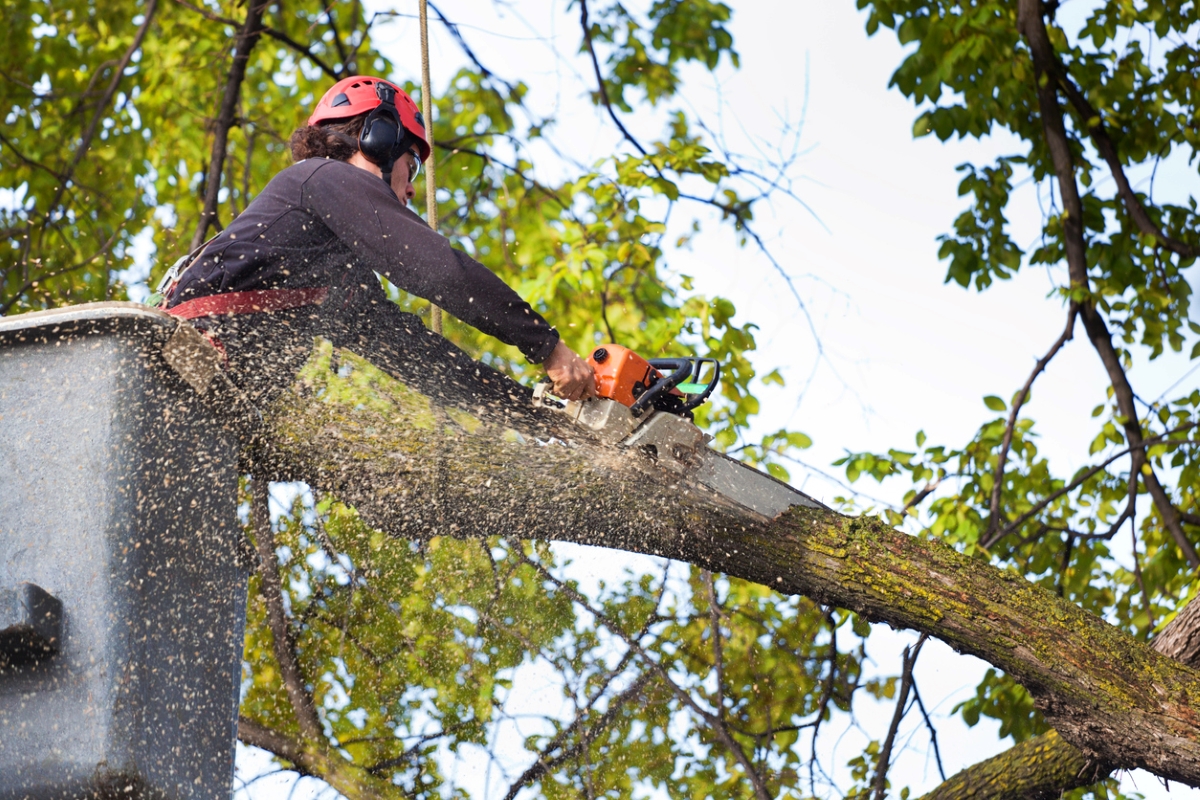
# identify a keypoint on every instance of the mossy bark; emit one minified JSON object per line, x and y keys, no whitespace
{"x":1047,"y":766}
{"x":1041,"y":768}
{"x":417,"y":462}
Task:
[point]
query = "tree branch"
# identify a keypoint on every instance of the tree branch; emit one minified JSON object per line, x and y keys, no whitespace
{"x":906,"y":682}
{"x":1033,"y":28}
{"x":307,"y":52}
{"x":337,"y":35}
{"x":714,"y":617}
{"x":310,"y":759}
{"x":1001,"y":459}
{"x":544,"y":765}
{"x":587,"y":40}
{"x":469,"y":53}
{"x":937,"y":753}
{"x":274,"y":33}
{"x":719,"y":729}
{"x":1094,"y":123}
{"x":247,"y":38}
{"x":281,"y":632}
{"x":89,"y":133}
{"x":1075,"y":484}
{"x":15,"y":295}
{"x":349,"y":432}
{"x":1045,"y":767}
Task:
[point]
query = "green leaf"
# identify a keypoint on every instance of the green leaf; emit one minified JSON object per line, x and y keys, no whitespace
{"x":995,"y":403}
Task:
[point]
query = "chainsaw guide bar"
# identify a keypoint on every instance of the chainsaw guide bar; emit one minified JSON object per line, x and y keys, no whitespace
{"x":674,"y":443}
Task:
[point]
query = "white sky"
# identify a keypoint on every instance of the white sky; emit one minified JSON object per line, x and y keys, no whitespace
{"x":905,"y":352}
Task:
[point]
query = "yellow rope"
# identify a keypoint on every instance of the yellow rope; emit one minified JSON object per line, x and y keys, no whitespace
{"x":435,"y":314}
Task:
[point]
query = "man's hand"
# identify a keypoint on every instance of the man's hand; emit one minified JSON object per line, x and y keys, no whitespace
{"x":572,"y":377}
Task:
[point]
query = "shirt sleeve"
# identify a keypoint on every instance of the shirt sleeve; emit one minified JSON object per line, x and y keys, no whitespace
{"x":365,"y":214}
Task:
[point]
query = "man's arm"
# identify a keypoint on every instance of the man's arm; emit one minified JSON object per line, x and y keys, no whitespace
{"x":366,"y":215}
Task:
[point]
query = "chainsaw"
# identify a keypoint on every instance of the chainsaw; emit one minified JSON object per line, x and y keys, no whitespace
{"x":645,"y":405}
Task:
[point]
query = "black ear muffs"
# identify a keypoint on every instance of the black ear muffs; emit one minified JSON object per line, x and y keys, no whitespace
{"x":383,"y":138}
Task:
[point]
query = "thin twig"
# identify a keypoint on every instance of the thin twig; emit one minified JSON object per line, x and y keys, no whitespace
{"x":470,"y":54}
{"x":1023,"y":395}
{"x":586,"y":737}
{"x":16,"y":295}
{"x":85,"y":141}
{"x":1142,"y":445}
{"x":937,"y":753}
{"x":714,"y":615}
{"x":587,"y":39}
{"x":281,"y":633}
{"x":1068,"y":546}
{"x":1137,"y":571}
{"x":718,"y":727}
{"x":906,"y":682}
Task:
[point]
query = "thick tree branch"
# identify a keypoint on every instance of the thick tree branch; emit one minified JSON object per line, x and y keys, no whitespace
{"x":1094,"y":123}
{"x":247,"y":38}
{"x":1041,"y":768}
{"x":1032,"y":26}
{"x":373,"y":440}
{"x":1045,"y":767}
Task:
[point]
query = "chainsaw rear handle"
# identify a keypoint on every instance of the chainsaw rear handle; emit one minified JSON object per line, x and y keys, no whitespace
{"x":681,"y":370}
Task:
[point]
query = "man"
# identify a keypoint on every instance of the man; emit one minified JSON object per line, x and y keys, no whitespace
{"x":318,"y":232}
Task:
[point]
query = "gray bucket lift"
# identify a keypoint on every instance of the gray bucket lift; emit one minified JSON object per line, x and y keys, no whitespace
{"x":122,"y":578}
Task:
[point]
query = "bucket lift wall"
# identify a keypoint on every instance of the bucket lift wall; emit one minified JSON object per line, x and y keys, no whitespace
{"x":122,"y":587}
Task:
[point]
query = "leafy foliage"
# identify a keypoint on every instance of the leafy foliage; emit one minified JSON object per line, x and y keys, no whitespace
{"x":408,"y":653}
{"x":971,"y":72}
{"x":687,"y":682}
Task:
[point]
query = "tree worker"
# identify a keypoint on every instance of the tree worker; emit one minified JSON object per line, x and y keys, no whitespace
{"x":301,"y":259}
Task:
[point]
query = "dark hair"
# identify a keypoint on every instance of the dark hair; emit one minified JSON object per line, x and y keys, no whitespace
{"x":337,"y":139}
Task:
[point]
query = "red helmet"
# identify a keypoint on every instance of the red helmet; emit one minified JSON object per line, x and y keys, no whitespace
{"x":350,"y":97}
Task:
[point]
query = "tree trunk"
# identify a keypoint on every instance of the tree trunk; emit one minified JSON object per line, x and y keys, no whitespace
{"x":457,"y":449}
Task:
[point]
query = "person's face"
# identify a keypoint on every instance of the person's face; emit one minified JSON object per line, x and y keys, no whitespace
{"x":404,"y":173}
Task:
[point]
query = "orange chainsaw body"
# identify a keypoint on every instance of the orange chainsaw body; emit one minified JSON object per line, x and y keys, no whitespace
{"x":621,"y":374}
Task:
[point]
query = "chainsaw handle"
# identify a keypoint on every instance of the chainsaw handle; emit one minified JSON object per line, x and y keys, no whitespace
{"x":682,"y":369}
{"x":716,"y":378}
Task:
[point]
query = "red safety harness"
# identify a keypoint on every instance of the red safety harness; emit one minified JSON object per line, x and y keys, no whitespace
{"x":228,"y":303}
{"x":254,"y":302}
{"x":249,"y":302}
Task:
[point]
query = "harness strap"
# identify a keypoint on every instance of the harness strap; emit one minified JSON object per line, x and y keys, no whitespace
{"x":249,"y":302}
